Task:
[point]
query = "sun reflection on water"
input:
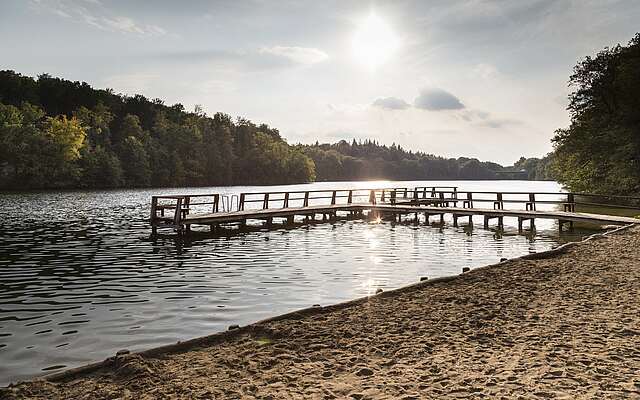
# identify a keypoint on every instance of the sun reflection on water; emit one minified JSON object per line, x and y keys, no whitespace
{"x":370,"y":286}
{"x":371,"y":238}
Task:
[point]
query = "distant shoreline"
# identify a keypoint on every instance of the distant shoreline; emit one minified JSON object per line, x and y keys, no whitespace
{"x":464,"y":334}
{"x":98,"y":189}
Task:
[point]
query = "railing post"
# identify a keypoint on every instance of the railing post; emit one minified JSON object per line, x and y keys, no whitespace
{"x":441,"y":197}
{"x":405,"y":193}
{"x":433,"y":191}
{"x":187,"y":200}
{"x":393,"y":197}
{"x":571,"y":203}
{"x":383,"y":196}
{"x":265,"y":203}
{"x":424,"y":192}
{"x":531,"y":205}
{"x":286,"y":200}
{"x":498,"y":203}
{"x":415,"y":194}
{"x":177,"y":216}
{"x":241,"y":202}
{"x":306,"y":200}
{"x":372,"y":197}
{"x":468,"y":203}
{"x":154,"y":207}
{"x":350,"y":198}
{"x":216,"y":203}
{"x":333,"y":198}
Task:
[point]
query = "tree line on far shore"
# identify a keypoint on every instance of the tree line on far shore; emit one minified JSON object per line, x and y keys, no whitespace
{"x":368,"y":159}
{"x":56,"y":133}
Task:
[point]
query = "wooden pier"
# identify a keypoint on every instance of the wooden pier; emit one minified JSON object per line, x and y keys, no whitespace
{"x":181,"y":212}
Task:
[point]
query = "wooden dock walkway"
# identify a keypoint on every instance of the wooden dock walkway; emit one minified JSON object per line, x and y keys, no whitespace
{"x":188,"y":210}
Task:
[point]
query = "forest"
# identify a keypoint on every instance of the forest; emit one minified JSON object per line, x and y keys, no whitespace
{"x":56,"y":133}
{"x":370,"y":160}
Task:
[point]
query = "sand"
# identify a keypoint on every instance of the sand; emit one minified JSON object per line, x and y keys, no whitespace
{"x":567,"y":326}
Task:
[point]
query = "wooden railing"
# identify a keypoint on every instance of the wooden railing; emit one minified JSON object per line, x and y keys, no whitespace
{"x":568,"y":200}
{"x":305,"y":198}
{"x":439,"y":196}
{"x":182,"y":205}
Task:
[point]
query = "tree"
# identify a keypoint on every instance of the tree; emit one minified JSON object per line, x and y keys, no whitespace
{"x":100,"y":168}
{"x":135,"y":163}
{"x":67,"y":134}
{"x":600,"y":150}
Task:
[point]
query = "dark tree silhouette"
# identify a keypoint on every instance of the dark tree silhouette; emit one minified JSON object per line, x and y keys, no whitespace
{"x":600,"y":150}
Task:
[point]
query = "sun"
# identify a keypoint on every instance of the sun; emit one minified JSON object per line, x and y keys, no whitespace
{"x":374,"y":42}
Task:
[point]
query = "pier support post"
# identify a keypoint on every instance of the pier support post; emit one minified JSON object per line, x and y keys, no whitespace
{"x":520,"y":219}
{"x":455,"y":220}
{"x":486,"y":222}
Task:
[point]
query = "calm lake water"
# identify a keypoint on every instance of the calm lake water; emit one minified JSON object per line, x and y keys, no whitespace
{"x":80,"y":277}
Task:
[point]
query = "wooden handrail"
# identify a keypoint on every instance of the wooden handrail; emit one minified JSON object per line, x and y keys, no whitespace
{"x":183,"y":205}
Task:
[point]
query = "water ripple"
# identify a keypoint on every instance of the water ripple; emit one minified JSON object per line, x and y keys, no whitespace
{"x":80,"y":278}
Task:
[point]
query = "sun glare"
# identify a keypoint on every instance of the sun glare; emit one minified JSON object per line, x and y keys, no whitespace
{"x":374,"y":42}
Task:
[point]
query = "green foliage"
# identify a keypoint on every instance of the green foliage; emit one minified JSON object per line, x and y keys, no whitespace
{"x":67,"y":134}
{"x":600,"y":150}
{"x":370,"y":160}
{"x":58,"y":133}
{"x":38,"y":151}
{"x":539,"y":169}
{"x":101,"y":168}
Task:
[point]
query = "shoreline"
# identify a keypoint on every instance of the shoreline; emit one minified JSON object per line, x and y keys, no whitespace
{"x":146,"y":362}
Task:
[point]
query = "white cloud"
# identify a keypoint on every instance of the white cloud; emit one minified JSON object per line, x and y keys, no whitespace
{"x":299,"y":55}
{"x":98,"y":16}
{"x":391,"y":103}
{"x":123,"y":24}
{"x":436,"y":99}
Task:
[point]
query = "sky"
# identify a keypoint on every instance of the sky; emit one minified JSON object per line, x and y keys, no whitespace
{"x":485,"y":79}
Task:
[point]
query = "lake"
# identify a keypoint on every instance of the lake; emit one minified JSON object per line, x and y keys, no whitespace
{"x":80,"y":276}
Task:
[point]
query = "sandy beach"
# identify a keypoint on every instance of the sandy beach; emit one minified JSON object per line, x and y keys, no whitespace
{"x":563,"y":325}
